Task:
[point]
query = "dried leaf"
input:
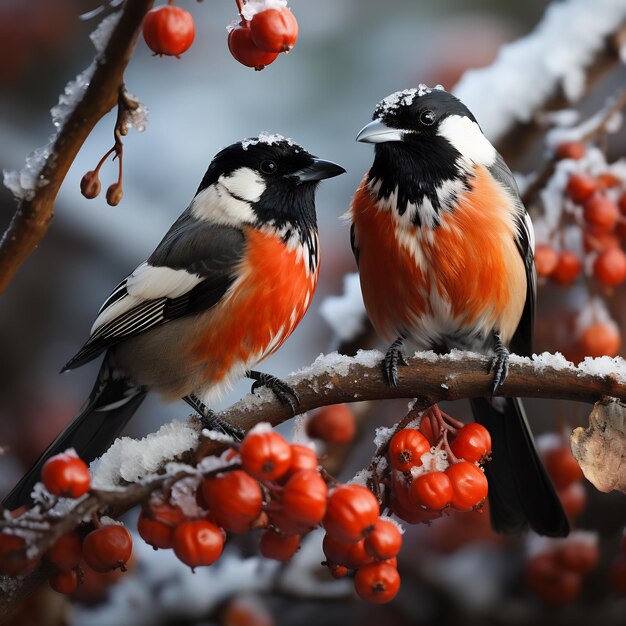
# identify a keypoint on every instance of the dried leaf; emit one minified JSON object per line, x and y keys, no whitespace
{"x":600,"y":449}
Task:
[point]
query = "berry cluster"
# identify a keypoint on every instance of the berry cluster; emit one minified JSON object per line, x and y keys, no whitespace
{"x":268,"y":485}
{"x":555,"y":567}
{"x":555,"y":571}
{"x":102,"y":549}
{"x":437,"y":466}
{"x":265,"y":29}
{"x":581,"y":234}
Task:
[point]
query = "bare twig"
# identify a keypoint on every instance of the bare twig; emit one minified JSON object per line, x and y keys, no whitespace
{"x":33,"y":216}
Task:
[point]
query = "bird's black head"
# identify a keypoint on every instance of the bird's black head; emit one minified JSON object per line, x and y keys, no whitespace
{"x":264,"y":179}
{"x":426,"y":141}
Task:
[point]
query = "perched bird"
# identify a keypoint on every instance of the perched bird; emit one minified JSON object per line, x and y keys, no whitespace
{"x":445,"y":253}
{"x":226,"y":286}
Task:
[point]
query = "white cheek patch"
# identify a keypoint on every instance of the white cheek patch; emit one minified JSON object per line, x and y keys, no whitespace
{"x":216,"y":204}
{"x":466,"y":136}
{"x":244,"y":183}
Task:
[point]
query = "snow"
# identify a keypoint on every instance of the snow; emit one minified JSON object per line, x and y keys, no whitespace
{"x":361,"y":478}
{"x":251,"y":8}
{"x":530,"y":71}
{"x":100,"y":37}
{"x":345,"y":314}
{"x":536,"y":544}
{"x":383,"y":434}
{"x":398,"y":99}
{"x":130,"y":460}
{"x":269,"y":139}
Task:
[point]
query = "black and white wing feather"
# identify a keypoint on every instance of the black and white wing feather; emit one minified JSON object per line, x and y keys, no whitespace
{"x":190,"y":271}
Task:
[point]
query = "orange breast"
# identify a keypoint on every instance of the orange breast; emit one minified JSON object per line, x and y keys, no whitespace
{"x":466,"y":272}
{"x":262,"y":308}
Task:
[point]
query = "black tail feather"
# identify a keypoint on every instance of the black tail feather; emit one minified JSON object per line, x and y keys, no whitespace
{"x":521,"y":493}
{"x":112,"y":402}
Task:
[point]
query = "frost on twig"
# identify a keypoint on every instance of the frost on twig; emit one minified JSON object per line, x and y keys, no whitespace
{"x":600,"y":449}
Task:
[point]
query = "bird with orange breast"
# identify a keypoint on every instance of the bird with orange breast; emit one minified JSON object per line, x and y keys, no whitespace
{"x":444,"y":248}
{"x":228,"y":283}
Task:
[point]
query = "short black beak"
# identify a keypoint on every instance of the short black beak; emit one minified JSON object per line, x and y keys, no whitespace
{"x":318,"y":170}
{"x":378,"y":132}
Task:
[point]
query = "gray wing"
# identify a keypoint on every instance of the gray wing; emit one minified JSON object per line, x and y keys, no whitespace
{"x":522,"y":340}
{"x":189,"y":272}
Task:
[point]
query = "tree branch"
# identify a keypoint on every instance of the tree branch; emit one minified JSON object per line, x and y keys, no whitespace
{"x":334,"y":379}
{"x":34,"y":214}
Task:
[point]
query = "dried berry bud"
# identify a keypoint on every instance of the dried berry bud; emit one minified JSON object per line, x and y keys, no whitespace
{"x":90,"y":185}
{"x":114,"y":194}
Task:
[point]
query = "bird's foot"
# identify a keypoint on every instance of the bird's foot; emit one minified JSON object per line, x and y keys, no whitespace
{"x":286,"y":394}
{"x":394,"y":356}
{"x":499,"y":364}
{"x":212,"y":421}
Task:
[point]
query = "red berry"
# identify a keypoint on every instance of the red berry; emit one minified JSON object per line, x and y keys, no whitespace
{"x":608,"y":180}
{"x":351,"y":555}
{"x":285,"y":525}
{"x":265,"y":455}
{"x":600,"y":339}
{"x":581,"y":187}
{"x":469,"y":485}
{"x":573,"y":499}
{"x":277,"y":546}
{"x":426,"y":428}
{"x":567,"y":268}
{"x":546,"y":259}
{"x":13,"y":561}
{"x":579,"y":556}
{"x":384,"y":541}
{"x":601,"y":213}
{"x":66,"y":552}
{"x":168,"y":30}
{"x":432,"y":490}
{"x":156,"y":525}
{"x":107,"y":548}
{"x":562,"y":467}
{"x":570,"y":150}
{"x":244,"y":49}
{"x":114,"y":195}
{"x":64,"y":581}
{"x":302,"y":458}
{"x":554,"y":585}
{"x":472,"y":443}
{"x":351,"y":514}
{"x":406,"y":449}
{"x":235,"y":500}
{"x":610,"y":267}
{"x":377,"y":583}
{"x":66,"y":475}
{"x":333,"y":424}
{"x":198,"y":542}
{"x":274,"y":30}
{"x":304,"y":498}
{"x":622,"y":203}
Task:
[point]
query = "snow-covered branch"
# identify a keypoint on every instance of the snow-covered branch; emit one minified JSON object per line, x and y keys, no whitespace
{"x":85,"y":101}
{"x":179,"y":449}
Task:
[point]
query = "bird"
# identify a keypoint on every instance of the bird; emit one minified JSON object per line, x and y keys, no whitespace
{"x":225,"y":287}
{"x":445,"y":252}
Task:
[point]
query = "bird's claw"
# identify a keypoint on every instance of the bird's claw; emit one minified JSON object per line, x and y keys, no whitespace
{"x":394,"y":356}
{"x":285,"y":393}
{"x":212,"y":421}
{"x":499,"y":365}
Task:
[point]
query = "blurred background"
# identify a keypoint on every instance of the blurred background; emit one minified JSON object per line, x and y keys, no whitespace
{"x":349,"y":55}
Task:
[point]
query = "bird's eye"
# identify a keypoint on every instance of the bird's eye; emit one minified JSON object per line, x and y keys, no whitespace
{"x":427,"y":118}
{"x":268,"y":166}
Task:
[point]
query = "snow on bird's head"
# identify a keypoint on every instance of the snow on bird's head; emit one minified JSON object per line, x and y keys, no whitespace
{"x":406,"y":97}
